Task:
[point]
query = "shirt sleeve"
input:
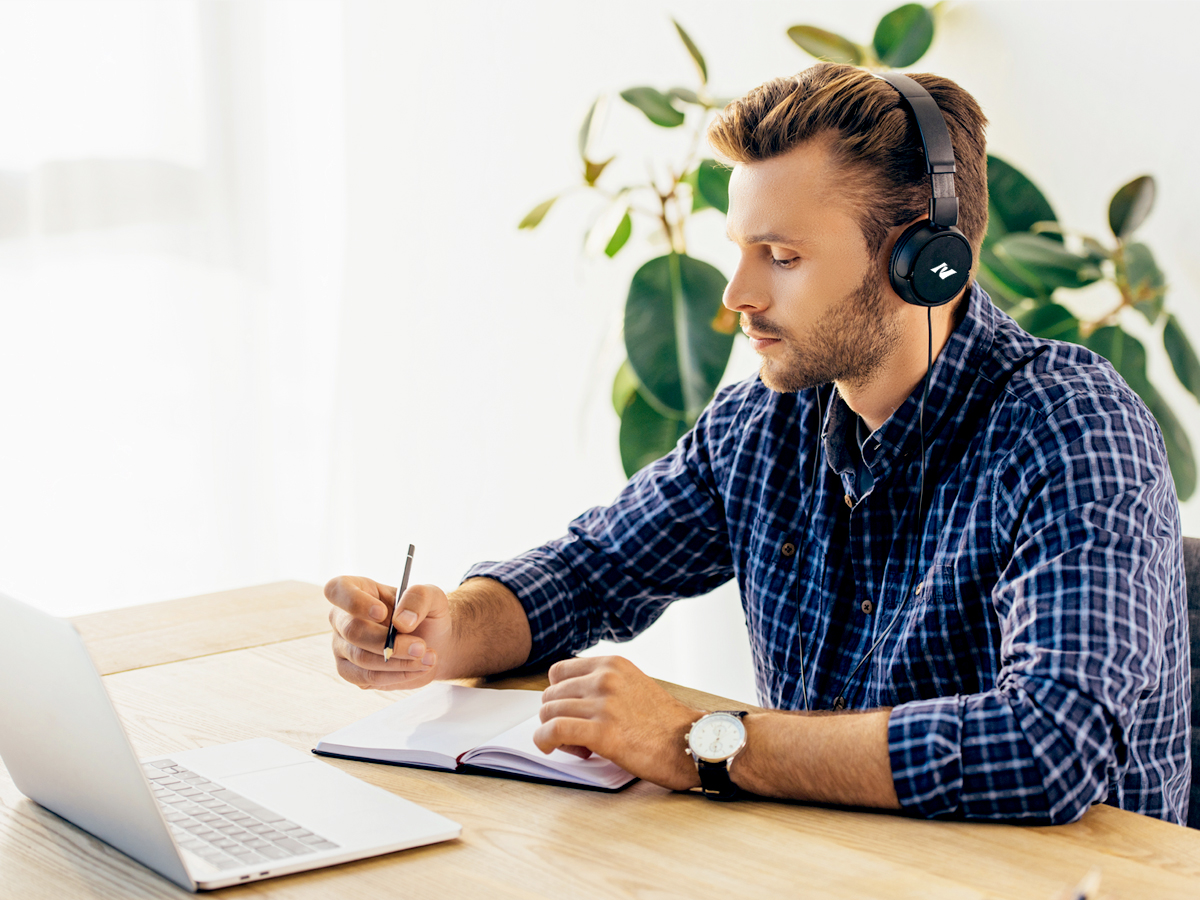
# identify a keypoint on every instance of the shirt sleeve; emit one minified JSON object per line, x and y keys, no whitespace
{"x":1084,"y":606}
{"x":619,"y":566}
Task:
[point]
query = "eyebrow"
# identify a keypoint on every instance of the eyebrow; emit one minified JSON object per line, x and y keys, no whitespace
{"x":771,"y":237}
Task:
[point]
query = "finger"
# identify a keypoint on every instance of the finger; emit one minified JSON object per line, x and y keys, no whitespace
{"x":369,"y":679}
{"x":565,"y":732}
{"x":360,"y":597}
{"x":571,"y":688}
{"x":359,"y":632}
{"x":570,"y":709}
{"x":575,"y":667}
{"x":365,"y":659}
{"x":419,"y":601}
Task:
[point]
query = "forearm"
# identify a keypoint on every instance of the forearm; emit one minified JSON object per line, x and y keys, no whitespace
{"x":490,"y":631}
{"x":839,"y":758}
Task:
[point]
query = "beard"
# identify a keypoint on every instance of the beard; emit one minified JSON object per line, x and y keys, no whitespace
{"x":849,"y":343}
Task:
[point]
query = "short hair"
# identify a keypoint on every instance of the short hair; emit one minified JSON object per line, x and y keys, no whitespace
{"x":874,"y":139}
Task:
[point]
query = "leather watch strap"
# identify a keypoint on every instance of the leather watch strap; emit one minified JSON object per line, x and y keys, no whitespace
{"x":715,"y":782}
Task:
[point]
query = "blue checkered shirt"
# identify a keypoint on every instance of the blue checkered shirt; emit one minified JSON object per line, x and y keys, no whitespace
{"x":1031,"y":630}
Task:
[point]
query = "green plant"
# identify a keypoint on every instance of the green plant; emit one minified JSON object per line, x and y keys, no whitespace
{"x":678,"y":336}
{"x":1031,"y":266}
{"x":901,"y":38}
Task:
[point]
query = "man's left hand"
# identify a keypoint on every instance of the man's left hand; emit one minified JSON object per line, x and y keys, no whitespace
{"x":608,"y":706}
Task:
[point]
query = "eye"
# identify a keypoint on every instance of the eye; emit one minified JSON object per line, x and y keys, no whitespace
{"x":785,"y":263}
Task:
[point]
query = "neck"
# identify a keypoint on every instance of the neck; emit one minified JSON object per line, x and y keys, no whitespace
{"x":877,"y":397}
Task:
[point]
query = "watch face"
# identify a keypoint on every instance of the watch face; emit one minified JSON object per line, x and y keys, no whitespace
{"x":717,"y":737}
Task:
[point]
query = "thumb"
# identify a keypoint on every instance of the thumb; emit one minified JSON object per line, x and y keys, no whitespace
{"x":418,"y":603}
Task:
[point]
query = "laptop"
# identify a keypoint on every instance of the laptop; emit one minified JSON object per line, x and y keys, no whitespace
{"x":204,"y":819}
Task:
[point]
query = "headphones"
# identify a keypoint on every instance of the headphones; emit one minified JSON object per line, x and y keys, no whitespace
{"x":930,"y":264}
{"x":931,"y":260}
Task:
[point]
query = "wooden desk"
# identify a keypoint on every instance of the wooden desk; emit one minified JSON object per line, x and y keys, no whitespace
{"x":257,"y":662}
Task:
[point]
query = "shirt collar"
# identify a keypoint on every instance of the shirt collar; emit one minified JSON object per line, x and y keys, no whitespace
{"x":950,"y":380}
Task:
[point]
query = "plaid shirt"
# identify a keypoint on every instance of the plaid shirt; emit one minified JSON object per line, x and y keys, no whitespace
{"x":1032,"y":629}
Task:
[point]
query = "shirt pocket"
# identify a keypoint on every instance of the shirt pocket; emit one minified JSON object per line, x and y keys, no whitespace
{"x":929,"y":654}
{"x":768,"y":596}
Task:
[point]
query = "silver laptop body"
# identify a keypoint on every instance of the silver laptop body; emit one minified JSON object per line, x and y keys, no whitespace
{"x":65,"y":748}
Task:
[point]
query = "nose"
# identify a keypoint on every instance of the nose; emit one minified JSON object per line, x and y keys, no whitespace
{"x":743,"y":293}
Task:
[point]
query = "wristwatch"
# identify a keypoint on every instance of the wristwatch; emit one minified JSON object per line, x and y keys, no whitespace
{"x":715,"y":739}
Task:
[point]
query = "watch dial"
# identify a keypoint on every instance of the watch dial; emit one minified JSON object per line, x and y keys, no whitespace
{"x":717,"y":737}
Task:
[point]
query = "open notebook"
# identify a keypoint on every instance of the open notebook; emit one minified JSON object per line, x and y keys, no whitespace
{"x":462,"y":729}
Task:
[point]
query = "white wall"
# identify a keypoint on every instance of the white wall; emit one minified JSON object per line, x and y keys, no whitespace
{"x":467,"y":366}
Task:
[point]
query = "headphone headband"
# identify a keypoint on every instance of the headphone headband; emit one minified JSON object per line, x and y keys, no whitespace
{"x":939,"y":152}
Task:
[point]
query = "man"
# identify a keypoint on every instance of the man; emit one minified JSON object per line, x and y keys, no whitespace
{"x":1012,"y":646}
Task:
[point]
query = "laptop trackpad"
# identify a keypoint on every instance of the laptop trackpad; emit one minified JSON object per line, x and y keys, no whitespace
{"x":314,"y":794}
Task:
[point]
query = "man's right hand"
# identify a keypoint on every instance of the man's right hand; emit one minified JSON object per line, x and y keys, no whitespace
{"x":360,"y":615}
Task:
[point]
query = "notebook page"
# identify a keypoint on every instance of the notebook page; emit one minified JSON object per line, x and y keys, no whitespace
{"x":515,"y":751}
{"x":434,"y":725}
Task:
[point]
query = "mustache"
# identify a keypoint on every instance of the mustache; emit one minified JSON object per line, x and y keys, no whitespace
{"x":761,"y":326}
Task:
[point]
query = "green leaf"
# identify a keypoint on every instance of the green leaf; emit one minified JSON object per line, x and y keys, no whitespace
{"x":903,"y":35}
{"x":646,"y":434}
{"x":678,"y":93}
{"x":712,"y":180}
{"x":593,"y":170}
{"x":625,"y":385}
{"x":1123,"y":350}
{"x":620,"y":236}
{"x":585,"y":130}
{"x":1183,"y":357}
{"x":1147,"y":284}
{"x":1130,"y":205}
{"x":826,"y":45}
{"x":1095,"y":250}
{"x":1128,"y":357}
{"x":1006,"y":286}
{"x":1051,"y":321}
{"x":1047,"y":260}
{"x":534,"y":217}
{"x":692,"y":179}
{"x":1179,"y":445}
{"x":694,"y":51}
{"x":655,"y":104}
{"x":1014,"y":203}
{"x":678,"y":356}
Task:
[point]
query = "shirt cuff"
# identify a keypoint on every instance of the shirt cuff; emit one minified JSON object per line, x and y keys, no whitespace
{"x":925,"y":747}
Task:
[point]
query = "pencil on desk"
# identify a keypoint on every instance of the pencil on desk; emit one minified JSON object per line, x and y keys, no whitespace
{"x":390,"y":643}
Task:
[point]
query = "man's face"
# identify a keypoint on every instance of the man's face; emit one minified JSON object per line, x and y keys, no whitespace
{"x":813,"y":302}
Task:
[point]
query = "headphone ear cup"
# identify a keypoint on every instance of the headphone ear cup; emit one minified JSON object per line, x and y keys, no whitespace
{"x":930,"y":265}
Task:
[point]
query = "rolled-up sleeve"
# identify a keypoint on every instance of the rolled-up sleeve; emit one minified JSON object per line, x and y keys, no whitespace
{"x":1086,"y":607}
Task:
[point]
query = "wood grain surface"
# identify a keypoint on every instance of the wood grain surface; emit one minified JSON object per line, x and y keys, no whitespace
{"x":524,"y":840}
{"x":164,"y":632}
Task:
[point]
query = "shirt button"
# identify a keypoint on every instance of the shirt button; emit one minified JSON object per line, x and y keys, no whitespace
{"x":867,"y":606}
{"x":849,"y":502}
{"x":919,"y":586}
{"x":788,"y":549}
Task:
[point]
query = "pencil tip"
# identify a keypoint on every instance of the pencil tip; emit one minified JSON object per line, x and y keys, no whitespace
{"x":387,"y":653}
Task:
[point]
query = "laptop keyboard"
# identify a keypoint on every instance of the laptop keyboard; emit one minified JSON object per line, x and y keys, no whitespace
{"x":222,"y":827}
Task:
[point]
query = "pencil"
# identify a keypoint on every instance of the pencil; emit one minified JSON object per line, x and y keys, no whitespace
{"x":391,"y":635}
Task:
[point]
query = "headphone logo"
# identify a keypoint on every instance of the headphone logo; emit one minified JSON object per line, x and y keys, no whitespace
{"x":943,"y":271}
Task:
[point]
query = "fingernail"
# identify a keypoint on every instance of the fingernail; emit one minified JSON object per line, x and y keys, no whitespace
{"x":378,"y":613}
{"x":428,"y":658}
{"x":415,"y":650}
{"x":407,"y":619}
